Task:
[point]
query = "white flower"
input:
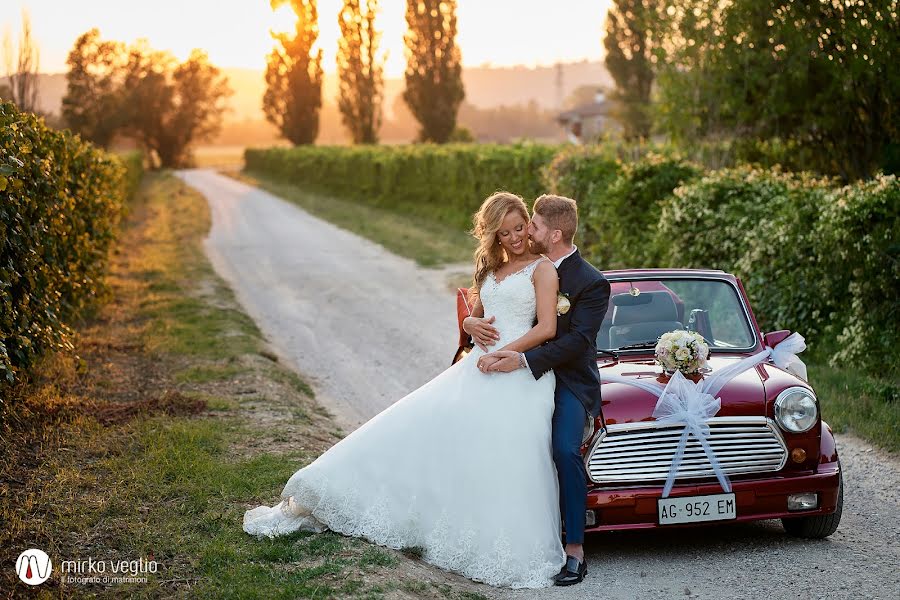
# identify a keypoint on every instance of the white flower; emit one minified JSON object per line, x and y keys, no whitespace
{"x":562,"y":305}
{"x":683,"y":350}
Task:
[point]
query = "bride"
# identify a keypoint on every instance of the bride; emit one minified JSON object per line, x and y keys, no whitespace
{"x":462,"y":466}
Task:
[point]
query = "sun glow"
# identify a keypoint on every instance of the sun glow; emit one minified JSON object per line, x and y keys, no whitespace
{"x":499,"y":32}
{"x":283,"y":19}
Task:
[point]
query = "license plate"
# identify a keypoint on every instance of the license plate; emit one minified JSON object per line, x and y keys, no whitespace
{"x":695,"y":509}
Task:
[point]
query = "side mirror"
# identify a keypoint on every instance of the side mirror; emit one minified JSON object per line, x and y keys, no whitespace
{"x":776,"y":337}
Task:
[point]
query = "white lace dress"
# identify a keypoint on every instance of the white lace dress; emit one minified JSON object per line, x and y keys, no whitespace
{"x":461,"y":468}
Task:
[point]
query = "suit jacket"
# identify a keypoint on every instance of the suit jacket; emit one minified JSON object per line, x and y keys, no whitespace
{"x":572,"y":354}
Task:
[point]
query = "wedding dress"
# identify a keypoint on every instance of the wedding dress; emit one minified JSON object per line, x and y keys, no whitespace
{"x":461,"y":467}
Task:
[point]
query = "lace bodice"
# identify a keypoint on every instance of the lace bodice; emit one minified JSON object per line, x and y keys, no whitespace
{"x":512,"y":302}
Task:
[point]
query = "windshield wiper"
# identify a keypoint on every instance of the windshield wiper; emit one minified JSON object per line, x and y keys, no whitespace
{"x":636,"y":345}
{"x":610,"y":352}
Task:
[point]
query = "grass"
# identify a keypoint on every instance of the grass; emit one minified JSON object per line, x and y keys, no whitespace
{"x":429,"y":244}
{"x":221,"y":427}
{"x":853,"y":401}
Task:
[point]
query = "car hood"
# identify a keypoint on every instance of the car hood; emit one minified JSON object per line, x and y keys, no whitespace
{"x":744,"y":395}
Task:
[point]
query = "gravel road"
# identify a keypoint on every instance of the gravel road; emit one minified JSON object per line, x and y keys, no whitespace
{"x":367,"y":327}
{"x":364,"y":326}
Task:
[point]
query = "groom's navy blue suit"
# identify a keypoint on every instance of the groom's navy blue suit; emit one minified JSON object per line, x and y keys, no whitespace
{"x":572,"y":355}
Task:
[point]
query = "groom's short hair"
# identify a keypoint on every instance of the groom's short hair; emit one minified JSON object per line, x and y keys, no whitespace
{"x":560,"y":213}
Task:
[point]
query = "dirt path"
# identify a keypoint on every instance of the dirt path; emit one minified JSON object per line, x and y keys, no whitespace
{"x":369,"y":327}
{"x":365,"y":325}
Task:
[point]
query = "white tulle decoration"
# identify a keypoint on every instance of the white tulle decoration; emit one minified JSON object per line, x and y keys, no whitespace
{"x":784,"y":355}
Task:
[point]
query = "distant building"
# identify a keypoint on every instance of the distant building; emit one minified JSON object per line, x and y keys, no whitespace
{"x":587,"y":121}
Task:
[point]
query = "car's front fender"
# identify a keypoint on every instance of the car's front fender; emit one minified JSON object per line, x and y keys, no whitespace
{"x":827,"y":446}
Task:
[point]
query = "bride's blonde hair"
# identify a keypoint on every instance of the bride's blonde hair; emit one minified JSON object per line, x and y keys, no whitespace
{"x":489,"y":254}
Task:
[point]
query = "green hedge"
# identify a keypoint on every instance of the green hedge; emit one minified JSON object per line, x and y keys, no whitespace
{"x":814,"y":258}
{"x":759,"y":225}
{"x":629,"y":211}
{"x":60,"y":201}
{"x":134,"y":171}
{"x":585,"y":174}
{"x":859,"y":231}
{"x":442,"y":183}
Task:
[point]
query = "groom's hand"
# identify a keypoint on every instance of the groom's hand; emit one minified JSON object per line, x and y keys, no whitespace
{"x":486,"y":361}
{"x":509,"y":361}
{"x":483,"y":333}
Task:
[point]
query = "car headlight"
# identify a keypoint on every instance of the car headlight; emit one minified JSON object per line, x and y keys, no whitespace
{"x":796,"y":410}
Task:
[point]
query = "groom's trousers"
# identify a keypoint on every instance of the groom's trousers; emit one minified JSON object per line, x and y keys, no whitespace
{"x":568,"y":428}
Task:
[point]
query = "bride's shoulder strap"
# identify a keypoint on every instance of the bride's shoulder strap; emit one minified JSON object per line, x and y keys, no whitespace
{"x":533,"y":266}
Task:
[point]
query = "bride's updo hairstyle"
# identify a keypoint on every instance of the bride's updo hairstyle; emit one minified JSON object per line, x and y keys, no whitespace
{"x":489,"y":255}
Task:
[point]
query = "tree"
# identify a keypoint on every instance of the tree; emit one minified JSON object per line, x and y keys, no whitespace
{"x":360,"y":71}
{"x":689,"y":106}
{"x":434,"y":88}
{"x":92,"y":104}
{"x":22,"y":68}
{"x":819,"y":78}
{"x":293,"y":94}
{"x":631,"y":53}
{"x":168,"y":106}
{"x":145,"y":95}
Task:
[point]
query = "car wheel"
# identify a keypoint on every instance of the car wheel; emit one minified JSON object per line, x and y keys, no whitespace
{"x":817,"y":527}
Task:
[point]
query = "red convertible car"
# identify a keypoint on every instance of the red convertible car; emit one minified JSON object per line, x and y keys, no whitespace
{"x":768,"y":437}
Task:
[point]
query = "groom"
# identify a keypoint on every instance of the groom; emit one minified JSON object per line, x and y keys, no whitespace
{"x":572,"y":355}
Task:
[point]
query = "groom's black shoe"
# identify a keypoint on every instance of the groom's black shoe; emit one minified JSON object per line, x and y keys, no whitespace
{"x":572,"y":572}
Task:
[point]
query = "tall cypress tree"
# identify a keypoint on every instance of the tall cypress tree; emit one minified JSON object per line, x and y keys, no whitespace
{"x":633,"y":29}
{"x":434,"y":88}
{"x":360,"y":71}
{"x":293,"y":94}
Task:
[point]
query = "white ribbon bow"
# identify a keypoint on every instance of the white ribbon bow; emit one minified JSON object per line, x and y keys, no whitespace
{"x":784,"y":355}
{"x":684,"y":402}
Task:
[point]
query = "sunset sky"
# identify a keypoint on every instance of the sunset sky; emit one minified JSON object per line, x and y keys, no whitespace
{"x":235,"y":32}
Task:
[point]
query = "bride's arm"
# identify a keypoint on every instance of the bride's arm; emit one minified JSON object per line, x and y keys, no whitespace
{"x":478,"y":309}
{"x":481,"y":330}
{"x":546,"y":287}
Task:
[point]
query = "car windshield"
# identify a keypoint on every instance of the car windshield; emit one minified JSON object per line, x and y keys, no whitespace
{"x":642,"y":310}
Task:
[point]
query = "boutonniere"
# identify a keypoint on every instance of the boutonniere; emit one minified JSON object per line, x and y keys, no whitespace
{"x":562,"y":304}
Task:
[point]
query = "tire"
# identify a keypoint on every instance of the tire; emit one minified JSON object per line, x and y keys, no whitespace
{"x":819,"y":526}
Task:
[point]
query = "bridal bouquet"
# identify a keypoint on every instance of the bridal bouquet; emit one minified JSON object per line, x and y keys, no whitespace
{"x":681,"y":350}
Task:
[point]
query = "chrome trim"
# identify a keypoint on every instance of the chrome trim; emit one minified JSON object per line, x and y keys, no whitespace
{"x":589,"y":429}
{"x":643,"y":451}
{"x":660,"y":276}
{"x":787,"y":392}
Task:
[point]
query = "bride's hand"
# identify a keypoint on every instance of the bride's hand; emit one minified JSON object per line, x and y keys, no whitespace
{"x":485,"y":362}
{"x":481,"y":330}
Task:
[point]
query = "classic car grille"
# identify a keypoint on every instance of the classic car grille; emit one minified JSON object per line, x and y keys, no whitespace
{"x":637,"y":452}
